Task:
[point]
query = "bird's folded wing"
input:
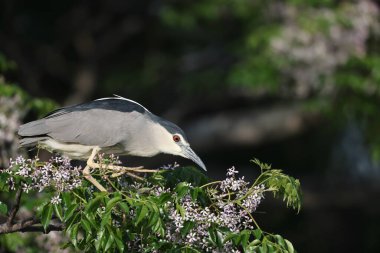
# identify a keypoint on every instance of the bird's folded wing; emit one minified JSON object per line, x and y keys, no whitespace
{"x":94,"y":127}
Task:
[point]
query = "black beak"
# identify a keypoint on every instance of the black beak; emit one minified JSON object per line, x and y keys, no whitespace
{"x":190,"y":154}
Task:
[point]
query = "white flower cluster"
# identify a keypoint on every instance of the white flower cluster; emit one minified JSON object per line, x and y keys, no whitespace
{"x":314,"y":51}
{"x":226,"y":213}
{"x":105,"y":159}
{"x":170,"y":166}
{"x":57,"y":173}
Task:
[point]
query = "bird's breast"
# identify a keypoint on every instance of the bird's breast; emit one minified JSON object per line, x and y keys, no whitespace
{"x":74,"y":151}
{"x":134,"y":149}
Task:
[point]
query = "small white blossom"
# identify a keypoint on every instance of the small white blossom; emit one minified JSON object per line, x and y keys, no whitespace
{"x":56,"y":200}
{"x":26,"y":188}
{"x":191,"y":238}
{"x":170,"y":166}
{"x":231,"y":171}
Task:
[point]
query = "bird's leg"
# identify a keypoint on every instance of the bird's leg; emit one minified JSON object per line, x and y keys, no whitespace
{"x":121,"y":170}
{"x":118,"y":170}
{"x":87,"y":174}
{"x":131,"y":169}
{"x":90,"y":161}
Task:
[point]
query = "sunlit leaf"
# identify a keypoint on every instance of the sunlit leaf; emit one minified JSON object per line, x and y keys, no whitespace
{"x":46,"y":215}
{"x":141,"y":214}
{"x":58,"y":211}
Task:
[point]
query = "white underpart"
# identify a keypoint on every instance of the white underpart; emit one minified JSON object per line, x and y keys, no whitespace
{"x":74,"y":151}
{"x":123,"y":98}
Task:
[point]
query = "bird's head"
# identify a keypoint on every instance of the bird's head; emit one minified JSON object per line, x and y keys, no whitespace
{"x":172,"y":140}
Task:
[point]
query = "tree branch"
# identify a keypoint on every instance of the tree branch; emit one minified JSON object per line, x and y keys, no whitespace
{"x":15,"y":208}
{"x":30,"y":225}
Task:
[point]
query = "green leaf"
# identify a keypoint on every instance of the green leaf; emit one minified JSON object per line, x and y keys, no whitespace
{"x":255,"y":242}
{"x":216,"y":237}
{"x":124,"y":206}
{"x":212,"y":236}
{"x":91,"y":218}
{"x":73,"y":220}
{"x":257,"y":233}
{"x":181,"y":210}
{"x":141,"y":213}
{"x":66,"y":197}
{"x":86,"y":225}
{"x":118,"y":240}
{"x":187,"y":226}
{"x":153,"y":219}
{"x":94,"y":203}
{"x":99,"y":238}
{"x":182,"y":189}
{"x":280,"y":240}
{"x":116,"y":236}
{"x":112,"y":203}
{"x":3,"y":182}
{"x":220,"y":238}
{"x":158,"y":227}
{"x":110,"y":239}
{"x":74,"y":235}
{"x":3,"y":208}
{"x":185,"y":174}
{"x":194,"y":193}
{"x":164,"y":197}
{"x":244,"y":237}
{"x":104,"y":240}
{"x":106,"y":219}
{"x":229,"y":237}
{"x":281,"y":185}
{"x":69,"y":212}
{"x":263,"y":248}
{"x":46,"y":214}
{"x":289,"y":246}
{"x":58,"y":211}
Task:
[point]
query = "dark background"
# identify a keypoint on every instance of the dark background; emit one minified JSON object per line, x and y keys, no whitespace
{"x":293,"y":83}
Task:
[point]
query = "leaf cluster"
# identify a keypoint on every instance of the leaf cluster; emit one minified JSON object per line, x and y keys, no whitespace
{"x":134,"y":216}
{"x":280,"y":184}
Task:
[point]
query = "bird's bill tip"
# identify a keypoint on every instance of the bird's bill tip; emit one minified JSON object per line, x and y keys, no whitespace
{"x":190,"y":154}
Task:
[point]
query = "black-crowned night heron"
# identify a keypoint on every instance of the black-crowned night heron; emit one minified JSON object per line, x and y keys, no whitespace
{"x":110,"y":125}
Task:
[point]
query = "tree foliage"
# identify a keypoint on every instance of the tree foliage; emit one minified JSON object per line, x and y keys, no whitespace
{"x":168,"y":211}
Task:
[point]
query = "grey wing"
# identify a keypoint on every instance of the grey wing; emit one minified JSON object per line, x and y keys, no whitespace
{"x":94,"y":127}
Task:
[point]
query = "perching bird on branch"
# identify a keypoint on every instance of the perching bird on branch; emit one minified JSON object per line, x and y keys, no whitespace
{"x":109,"y":125}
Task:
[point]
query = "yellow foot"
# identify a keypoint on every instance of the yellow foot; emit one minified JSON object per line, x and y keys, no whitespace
{"x":87,"y":174}
{"x":117,"y":170}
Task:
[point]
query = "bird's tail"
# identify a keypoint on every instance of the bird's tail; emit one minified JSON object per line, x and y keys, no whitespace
{"x":31,"y":141}
{"x":33,"y":129}
{"x":32,"y":132}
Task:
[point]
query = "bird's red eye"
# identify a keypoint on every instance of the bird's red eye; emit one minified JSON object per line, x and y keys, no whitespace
{"x":176,"y":138}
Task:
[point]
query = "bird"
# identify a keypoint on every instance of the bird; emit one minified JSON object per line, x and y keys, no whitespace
{"x":111,"y":125}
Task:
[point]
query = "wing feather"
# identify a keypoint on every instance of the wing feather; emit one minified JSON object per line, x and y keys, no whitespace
{"x":98,"y":123}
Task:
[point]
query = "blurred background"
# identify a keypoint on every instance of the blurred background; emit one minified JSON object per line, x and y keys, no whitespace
{"x":293,"y":83}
